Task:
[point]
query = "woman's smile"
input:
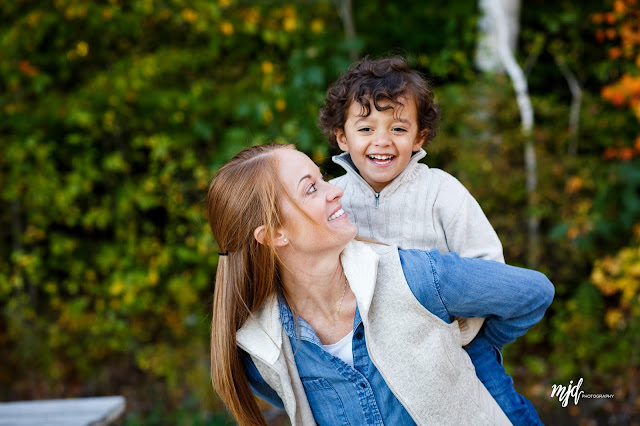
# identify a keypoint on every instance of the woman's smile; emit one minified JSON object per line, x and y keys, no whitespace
{"x":337,"y":214}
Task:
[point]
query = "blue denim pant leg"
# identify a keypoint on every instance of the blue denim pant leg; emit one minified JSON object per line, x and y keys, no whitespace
{"x":489,"y":369}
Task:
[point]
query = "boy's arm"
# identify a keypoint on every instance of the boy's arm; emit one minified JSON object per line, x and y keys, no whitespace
{"x":466,"y":227}
{"x":511,"y":299}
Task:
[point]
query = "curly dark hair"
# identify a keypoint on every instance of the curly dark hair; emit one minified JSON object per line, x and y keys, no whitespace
{"x":386,"y":79}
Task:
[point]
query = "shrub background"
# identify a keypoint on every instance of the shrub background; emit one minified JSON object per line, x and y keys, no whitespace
{"x":114,"y":116}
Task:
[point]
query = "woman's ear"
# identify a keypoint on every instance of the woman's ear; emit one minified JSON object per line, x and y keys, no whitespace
{"x":279,"y":240}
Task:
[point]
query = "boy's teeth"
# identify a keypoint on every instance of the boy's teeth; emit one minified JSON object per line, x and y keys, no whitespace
{"x":381,"y":157}
{"x":336,"y":214}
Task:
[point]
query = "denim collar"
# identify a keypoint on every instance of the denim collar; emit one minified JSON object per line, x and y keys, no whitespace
{"x":306,"y":331}
{"x":288,"y":322}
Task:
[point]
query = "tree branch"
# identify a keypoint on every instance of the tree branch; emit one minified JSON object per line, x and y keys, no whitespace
{"x":576,"y":101}
{"x":345,"y":8}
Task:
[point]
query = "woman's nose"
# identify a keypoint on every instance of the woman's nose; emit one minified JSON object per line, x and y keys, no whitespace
{"x":334,"y":192}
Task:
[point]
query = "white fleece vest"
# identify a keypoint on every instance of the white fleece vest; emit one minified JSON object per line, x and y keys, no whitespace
{"x":420,"y":356}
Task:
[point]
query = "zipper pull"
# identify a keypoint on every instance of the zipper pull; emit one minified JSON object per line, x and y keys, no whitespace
{"x":377,"y":195}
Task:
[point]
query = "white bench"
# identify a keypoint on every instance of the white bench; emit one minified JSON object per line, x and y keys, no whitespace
{"x":98,"y":411}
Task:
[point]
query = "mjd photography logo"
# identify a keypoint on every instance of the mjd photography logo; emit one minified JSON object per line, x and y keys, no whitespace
{"x":564,"y":393}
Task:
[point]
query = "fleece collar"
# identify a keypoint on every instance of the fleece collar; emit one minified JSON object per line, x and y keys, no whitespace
{"x":261,"y":335}
{"x":346,"y":162}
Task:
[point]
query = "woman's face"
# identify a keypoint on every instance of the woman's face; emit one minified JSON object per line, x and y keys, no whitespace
{"x":320,"y":200}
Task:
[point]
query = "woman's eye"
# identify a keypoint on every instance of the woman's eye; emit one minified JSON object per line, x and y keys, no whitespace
{"x":312,"y":188}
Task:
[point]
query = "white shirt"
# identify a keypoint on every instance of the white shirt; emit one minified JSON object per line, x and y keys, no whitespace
{"x":342,"y":349}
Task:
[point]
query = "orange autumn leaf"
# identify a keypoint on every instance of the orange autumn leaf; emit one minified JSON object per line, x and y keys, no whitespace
{"x":573,"y":185}
{"x":626,"y":154}
{"x":610,"y":153}
{"x":27,"y":69}
{"x":615,"y":52}
{"x":619,"y":6}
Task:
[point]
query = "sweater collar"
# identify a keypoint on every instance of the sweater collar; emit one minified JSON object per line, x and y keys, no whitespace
{"x":346,"y":162}
{"x":262,"y":333}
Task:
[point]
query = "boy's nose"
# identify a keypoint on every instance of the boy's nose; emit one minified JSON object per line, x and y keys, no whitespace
{"x":382,"y":139}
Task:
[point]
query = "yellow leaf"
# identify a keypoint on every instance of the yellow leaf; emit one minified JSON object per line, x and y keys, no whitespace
{"x":317,"y":26}
{"x":82,"y":48}
{"x":266,"y":67}
{"x":290,"y":24}
{"x":152,"y":277}
{"x":226,"y":28}
{"x":614,"y":318}
{"x":117,"y":287}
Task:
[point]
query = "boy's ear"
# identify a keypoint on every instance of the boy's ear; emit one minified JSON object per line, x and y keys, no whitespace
{"x":260,"y":234}
{"x":341,"y":138}
{"x":420,"y":139}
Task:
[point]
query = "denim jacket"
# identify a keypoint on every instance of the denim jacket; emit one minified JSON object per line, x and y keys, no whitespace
{"x":512,"y":299}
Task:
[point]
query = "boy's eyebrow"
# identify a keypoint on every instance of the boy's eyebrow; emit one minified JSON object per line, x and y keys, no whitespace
{"x":400,"y":119}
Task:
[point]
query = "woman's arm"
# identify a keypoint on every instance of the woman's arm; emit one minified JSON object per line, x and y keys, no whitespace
{"x":259,"y":387}
{"x":511,"y":299}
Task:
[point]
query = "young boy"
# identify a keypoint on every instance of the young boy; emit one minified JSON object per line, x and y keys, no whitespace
{"x":380,"y":113}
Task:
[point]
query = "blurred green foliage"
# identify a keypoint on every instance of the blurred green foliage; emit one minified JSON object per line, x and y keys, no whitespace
{"x":115,"y":116}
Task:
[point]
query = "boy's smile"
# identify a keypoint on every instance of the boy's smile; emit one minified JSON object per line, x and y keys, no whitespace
{"x":382,"y":142}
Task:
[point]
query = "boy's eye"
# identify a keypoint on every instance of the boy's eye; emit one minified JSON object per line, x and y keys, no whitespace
{"x":399,"y":129}
{"x":364,"y":129}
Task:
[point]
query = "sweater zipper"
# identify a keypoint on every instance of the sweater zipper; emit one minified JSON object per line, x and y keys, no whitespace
{"x":345,"y":165}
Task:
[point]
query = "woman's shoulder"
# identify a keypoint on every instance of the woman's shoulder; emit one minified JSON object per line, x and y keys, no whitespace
{"x":362,"y":245}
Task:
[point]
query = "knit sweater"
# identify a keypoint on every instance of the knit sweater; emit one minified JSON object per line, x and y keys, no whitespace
{"x":422,"y":208}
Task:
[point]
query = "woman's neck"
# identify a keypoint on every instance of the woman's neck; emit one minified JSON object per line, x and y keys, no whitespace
{"x":314,"y":285}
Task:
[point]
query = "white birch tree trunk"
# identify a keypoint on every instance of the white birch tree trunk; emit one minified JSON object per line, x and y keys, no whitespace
{"x":487,"y":54}
{"x":503,"y":35}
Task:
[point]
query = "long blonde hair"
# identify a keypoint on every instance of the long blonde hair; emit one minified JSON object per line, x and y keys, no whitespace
{"x":241,"y":197}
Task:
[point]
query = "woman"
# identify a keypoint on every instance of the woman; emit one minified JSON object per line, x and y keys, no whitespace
{"x":339,"y":331}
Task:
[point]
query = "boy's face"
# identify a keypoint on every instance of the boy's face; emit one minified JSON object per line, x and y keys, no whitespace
{"x":381,"y":143}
